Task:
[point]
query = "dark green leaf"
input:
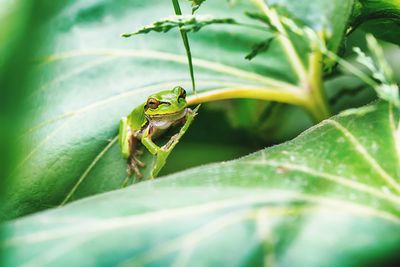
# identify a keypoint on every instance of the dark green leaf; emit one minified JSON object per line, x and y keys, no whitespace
{"x":381,"y":18}
{"x":324,"y":199}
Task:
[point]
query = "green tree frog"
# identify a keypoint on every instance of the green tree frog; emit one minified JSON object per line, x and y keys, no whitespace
{"x":149,"y":120}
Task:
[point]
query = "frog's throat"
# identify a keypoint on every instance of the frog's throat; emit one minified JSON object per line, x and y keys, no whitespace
{"x":168,"y":116}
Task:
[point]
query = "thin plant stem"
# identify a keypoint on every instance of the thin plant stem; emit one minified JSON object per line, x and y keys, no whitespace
{"x":316,"y":85}
{"x":186,"y":44}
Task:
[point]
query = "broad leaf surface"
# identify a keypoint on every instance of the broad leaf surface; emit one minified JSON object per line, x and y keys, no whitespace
{"x":326,"y":198}
{"x":90,"y":77}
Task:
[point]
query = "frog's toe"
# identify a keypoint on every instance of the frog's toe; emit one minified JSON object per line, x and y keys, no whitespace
{"x":139,"y":162}
{"x":133,"y":166}
{"x":170,"y":142}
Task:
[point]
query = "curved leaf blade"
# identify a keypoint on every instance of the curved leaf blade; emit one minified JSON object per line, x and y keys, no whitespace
{"x":319,"y":200}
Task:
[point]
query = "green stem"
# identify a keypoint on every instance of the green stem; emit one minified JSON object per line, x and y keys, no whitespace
{"x":316,"y":86}
{"x":273,"y":94}
{"x":186,"y":44}
{"x":293,"y":97}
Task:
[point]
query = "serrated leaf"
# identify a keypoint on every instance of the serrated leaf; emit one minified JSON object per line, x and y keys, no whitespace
{"x":323,"y":199}
{"x":187,"y":23}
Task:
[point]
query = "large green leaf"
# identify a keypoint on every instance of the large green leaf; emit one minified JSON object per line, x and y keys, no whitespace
{"x":90,"y":77}
{"x":328,"y":198}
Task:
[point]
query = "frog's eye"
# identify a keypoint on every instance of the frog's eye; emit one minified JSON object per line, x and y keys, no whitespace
{"x":152,"y":103}
{"x":182,"y":95}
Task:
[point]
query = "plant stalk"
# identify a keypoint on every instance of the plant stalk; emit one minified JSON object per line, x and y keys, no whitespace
{"x":315,"y":89}
{"x":273,"y":94}
{"x":186,"y":44}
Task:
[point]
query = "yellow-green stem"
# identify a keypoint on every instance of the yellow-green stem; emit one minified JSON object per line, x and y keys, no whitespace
{"x":289,"y":97}
{"x":315,"y":88}
{"x":292,"y":97}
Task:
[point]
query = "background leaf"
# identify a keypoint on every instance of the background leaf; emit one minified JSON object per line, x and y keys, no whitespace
{"x":328,"y":198}
{"x":381,"y":18}
{"x":89,"y":77}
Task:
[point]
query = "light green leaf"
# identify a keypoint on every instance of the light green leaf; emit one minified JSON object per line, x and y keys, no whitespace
{"x":324,"y":199}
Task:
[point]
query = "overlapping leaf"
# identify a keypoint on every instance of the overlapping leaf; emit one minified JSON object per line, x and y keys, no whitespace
{"x":328,"y":198}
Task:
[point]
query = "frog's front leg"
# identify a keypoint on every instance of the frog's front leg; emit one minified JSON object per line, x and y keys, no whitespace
{"x":172,"y":141}
{"x":148,"y":142}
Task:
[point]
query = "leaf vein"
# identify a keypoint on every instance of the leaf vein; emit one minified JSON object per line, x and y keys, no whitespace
{"x":331,"y":177}
{"x":158,"y":55}
{"x":88,"y":169}
{"x":204,"y":208}
{"x":364,"y":153}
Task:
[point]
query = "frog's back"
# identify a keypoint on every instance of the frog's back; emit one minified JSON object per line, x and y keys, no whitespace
{"x":136,"y":119}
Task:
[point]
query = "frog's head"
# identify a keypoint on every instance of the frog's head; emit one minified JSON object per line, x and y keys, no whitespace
{"x":166,"y":102}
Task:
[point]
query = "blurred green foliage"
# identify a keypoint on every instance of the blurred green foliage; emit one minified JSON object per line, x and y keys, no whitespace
{"x":22,"y":36}
{"x":66,"y":78}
